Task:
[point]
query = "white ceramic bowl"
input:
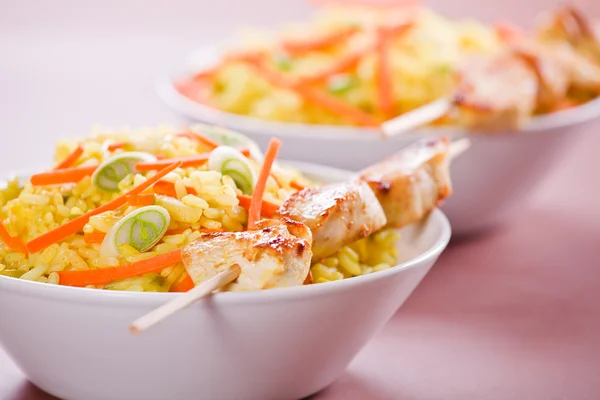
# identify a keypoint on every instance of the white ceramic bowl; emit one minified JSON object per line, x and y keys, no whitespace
{"x":490,"y":180}
{"x":280,"y":344}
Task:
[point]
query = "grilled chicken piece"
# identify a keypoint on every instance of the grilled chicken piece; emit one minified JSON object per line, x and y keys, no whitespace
{"x":276,"y":254}
{"x":495,"y":93}
{"x":559,"y":69}
{"x":570,"y":25}
{"x":337,"y":214}
{"x":553,"y":78}
{"x":412,"y":182}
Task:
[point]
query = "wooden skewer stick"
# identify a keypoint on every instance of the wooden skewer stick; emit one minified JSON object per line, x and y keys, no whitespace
{"x":416,"y":118}
{"x":166,"y":310}
{"x":458,"y":147}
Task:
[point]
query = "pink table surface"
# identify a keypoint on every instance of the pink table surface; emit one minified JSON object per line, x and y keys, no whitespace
{"x":514,"y":314}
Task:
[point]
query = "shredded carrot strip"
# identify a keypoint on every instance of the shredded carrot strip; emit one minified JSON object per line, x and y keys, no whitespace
{"x":103,"y":276}
{"x":196,"y":90}
{"x":261,"y":182}
{"x":141,"y":199}
{"x":296,"y":185}
{"x":194,"y":161}
{"x":94,"y":237}
{"x":279,"y":185}
{"x":508,"y":32}
{"x":60,"y":176}
{"x":205,"y":140}
{"x":244,"y":55}
{"x":338,"y":107}
{"x":309,"y":278}
{"x":319,"y":43}
{"x":206,"y":74}
{"x":77,"y":224}
{"x":384,"y":74}
{"x":71,"y":159}
{"x":165,"y":188}
{"x":13,"y":243}
{"x":317,"y":97}
{"x":115,"y":146}
{"x":185,"y":285}
{"x":399,"y":28}
{"x":346,"y":63}
{"x":268,"y":209}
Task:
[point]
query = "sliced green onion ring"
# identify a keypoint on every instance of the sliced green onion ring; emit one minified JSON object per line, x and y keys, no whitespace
{"x":230,"y":138}
{"x":112,"y":171}
{"x":141,"y":229}
{"x":229,"y":161}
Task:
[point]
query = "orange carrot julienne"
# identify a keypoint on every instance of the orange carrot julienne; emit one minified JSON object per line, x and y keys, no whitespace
{"x":103,"y":276}
{"x":71,"y":159}
{"x":344,"y":64}
{"x":309,"y":278}
{"x":115,"y":146}
{"x":185,"y":285}
{"x":279,"y":185}
{"x":165,"y":188}
{"x":319,"y":43}
{"x":206,"y":74}
{"x":384,"y":74}
{"x":508,"y":32}
{"x":398,"y":28}
{"x":75,"y":225}
{"x":141,"y":199}
{"x":193,"y":161}
{"x":261,"y":183}
{"x":94,"y":237}
{"x":338,"y":107}
{"x":317,"y":97}
{"x":60,"y":176}
{"x":296,"y":185}
{"x":195,"y":90}
{"x":13,"y":242}
{"x":268,"y":209}
{"x":205,"y":140}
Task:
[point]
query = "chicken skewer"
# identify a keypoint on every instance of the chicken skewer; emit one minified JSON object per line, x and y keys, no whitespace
{"x":315,"y":223}
{"x":337,"y":214}
{"x":481,"y":99}
{"x":411,"y":183}
{"x":503,"y":91}
{"x":570,"y":25}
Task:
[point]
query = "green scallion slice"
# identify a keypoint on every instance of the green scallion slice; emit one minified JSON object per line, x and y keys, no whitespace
{"x":229,"y":161}
{"x":112,"y":171}
{"x":141,"y":229}
{"x":227,"y":137}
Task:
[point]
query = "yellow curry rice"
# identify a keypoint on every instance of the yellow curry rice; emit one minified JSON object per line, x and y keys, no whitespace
{"x":28,"y":211}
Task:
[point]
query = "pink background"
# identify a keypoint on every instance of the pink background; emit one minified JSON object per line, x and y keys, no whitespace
{"x":514,"y":314}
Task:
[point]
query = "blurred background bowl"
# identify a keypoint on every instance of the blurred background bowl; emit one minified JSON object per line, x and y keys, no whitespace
{"x":279,"y":344}
{"x":491,"y":180}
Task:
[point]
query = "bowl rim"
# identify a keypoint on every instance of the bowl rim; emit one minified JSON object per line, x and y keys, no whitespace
{"x":95,"y":296}
{"x":207,"y":55}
